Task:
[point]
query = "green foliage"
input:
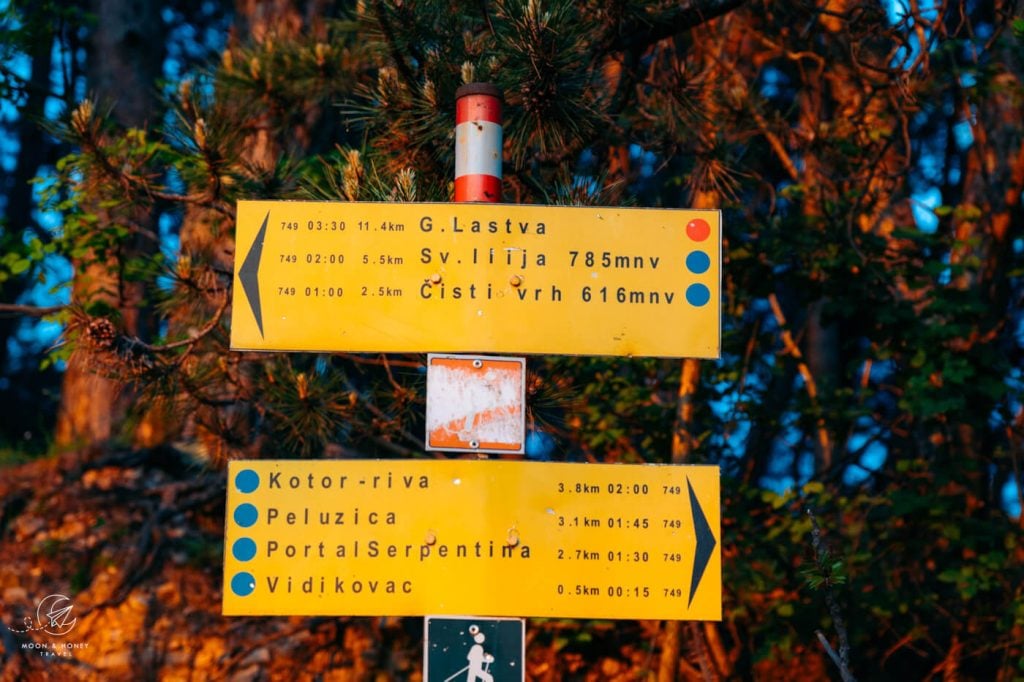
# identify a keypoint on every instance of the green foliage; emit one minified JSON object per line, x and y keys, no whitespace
{"x":882,"y":564}
{"x":27,"y":26}
{"x":307,"y":409}
{"x":11,"y":457}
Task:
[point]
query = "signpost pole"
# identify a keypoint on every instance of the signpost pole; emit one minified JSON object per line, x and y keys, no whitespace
{"x":478,"y":142}
{"x":477,"y":403}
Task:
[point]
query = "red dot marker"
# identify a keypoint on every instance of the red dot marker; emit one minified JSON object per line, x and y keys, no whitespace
{"x":698,"y":229}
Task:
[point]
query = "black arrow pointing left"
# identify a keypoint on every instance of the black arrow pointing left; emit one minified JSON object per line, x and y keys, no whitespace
{"x":249,"y":274}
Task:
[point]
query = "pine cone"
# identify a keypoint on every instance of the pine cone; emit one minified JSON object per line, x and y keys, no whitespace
{"x":100,"y":333}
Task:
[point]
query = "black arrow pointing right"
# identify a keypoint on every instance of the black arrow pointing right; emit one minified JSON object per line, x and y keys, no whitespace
{"x":705,"y":542}
{"x":249,"y":274}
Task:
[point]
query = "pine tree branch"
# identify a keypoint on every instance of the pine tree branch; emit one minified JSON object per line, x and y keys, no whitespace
{"x":394,"y":447}
{"x":842,"y":660}
{"x":638,"y":34}
{"x":396,"y":54}
{"x":191,"y":340}
{"x":843,"y":671}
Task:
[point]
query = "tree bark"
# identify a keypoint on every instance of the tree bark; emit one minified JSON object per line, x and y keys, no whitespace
{"x":683,"y":440}
{"x":207,"y":237}
{"x":124,"y":61}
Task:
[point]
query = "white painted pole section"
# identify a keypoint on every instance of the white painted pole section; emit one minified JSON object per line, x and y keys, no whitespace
{"x":478,"y":149}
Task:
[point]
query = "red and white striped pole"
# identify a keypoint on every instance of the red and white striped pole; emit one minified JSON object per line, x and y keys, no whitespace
{"x":478,"y":179}
{"x":478,"y":143}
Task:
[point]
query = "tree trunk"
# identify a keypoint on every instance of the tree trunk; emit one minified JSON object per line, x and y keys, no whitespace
{"x":207,"y":237}
{"x":125,"y":58}
{"x":683,"y":440}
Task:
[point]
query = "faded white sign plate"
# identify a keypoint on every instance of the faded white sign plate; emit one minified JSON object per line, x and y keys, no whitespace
{"x":476,"y":403}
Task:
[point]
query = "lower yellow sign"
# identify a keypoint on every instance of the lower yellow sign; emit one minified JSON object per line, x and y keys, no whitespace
{"x":497,"y":538}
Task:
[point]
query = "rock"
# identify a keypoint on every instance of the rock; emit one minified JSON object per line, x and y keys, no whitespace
{"x":249,"y":674}
{"x":27,"y":526}
{"x":15,"y":594}
{"x":261,"y":655}
{"x":115,"y":659}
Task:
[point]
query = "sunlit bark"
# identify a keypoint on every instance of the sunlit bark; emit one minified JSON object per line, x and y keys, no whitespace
{"x":125,"y":58}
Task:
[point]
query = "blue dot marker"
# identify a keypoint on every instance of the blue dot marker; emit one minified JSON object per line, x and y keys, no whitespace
{"x":697,"y":295}
{"x":243,"y":584}
{"x":244,"y":549}
{"x":698,"y":262}
{"x":247,"y":480}
{"x":246,"y":514}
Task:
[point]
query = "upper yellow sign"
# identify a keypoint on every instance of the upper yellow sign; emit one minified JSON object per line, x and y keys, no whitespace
{"x":477,"y":278}
{"x":495,"y":538}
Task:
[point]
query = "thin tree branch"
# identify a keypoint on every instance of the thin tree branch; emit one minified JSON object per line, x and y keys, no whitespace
{"x":842,"y":660}
{"x":191,"y":340}
{"x":824,"y":439}
{"x":777,"y":146}
{"x":668,"y":664}
{"x":202,"y":200}
{"x":636,"y":35}
{"x":14,"y":309}
{"x":380,"y":360}
{"x":835,"y":658}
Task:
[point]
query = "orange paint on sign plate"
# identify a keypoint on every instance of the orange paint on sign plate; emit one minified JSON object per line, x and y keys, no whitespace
{"x":476,"y":404}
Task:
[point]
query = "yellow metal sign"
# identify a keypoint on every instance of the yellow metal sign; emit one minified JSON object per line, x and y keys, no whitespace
{"x":448,"y":537}
{"x":476,"y":278}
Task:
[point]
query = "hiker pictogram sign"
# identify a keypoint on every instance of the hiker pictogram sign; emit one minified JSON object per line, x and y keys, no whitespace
{"x":470,"y":649}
